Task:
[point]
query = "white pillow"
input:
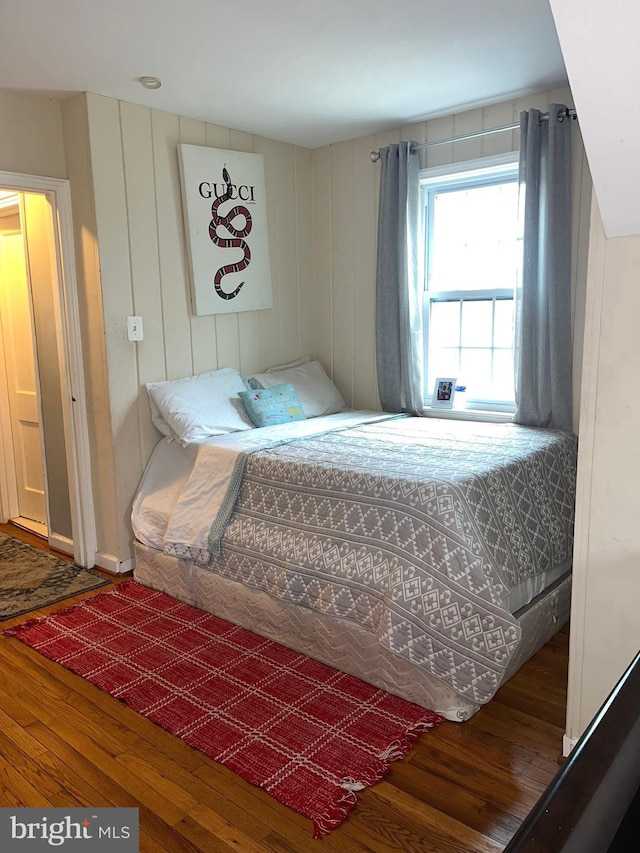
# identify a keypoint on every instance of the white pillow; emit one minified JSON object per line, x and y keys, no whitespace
{"x":156,"y":416}
{"x":197,"y":407}
{"x":315,"y":391}
{"x":304,"y":359}
{"x":157,"y":419}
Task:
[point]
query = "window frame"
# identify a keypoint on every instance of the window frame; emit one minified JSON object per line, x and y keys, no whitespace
{"x":485,"y":171}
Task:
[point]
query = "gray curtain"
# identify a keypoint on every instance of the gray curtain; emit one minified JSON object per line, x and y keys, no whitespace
{"x":398,"y":297}
{"x":543,"y":296}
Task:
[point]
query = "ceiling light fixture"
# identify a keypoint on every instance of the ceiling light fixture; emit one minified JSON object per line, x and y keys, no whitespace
{"x":150,"y":82}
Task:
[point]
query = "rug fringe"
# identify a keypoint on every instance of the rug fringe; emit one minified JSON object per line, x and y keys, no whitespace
{"x":12,"y":632}
{"x":399,"y":748}
{"x":336,"y":814}
{"x":340,"y":810}
{"x":16,"y":630}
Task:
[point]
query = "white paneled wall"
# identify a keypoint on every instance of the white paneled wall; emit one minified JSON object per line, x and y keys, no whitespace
{"x":143,"y":270}
{"x":605,"y":629}
{"x":345,"y":184}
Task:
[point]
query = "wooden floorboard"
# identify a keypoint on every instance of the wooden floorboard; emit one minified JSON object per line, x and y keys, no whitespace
{"x":464,"y":788}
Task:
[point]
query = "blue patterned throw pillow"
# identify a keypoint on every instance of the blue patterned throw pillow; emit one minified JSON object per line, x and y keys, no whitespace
{"x":277,"y":405}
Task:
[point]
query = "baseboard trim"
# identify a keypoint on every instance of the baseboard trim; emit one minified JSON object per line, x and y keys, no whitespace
{"x":61,"y":543}
{"x":567,"y":744}
{"x":112,"y":564}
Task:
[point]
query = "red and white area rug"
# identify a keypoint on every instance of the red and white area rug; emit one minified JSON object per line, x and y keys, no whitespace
{"x":309,"y":735}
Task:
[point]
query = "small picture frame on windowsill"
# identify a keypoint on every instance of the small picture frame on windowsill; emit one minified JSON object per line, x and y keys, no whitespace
{"x":444,"y":392}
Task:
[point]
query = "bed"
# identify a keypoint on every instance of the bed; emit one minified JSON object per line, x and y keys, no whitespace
{"x":429,"y":557}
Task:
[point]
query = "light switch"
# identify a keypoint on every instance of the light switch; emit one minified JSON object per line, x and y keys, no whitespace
{"x":134,"y":328}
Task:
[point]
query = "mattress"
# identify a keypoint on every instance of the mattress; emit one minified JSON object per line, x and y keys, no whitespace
{"x":171,"y":464}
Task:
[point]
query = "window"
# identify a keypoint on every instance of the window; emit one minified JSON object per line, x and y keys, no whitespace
{"x":472,"y":251}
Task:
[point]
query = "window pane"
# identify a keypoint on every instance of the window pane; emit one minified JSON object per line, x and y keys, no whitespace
{"x":474,"y":241}
{"x":503,"y":331}
{"x":475,"y":371}
{"x":444,"y":329}
{"x":477,"y":318}
{"x":442,"y":362}
{"x":503,"y":374}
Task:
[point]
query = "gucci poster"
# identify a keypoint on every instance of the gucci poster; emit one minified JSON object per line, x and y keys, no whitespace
{"x":225,"y":215}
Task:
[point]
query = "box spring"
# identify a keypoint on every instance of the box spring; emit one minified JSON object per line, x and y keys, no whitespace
{"x":337,"y":642}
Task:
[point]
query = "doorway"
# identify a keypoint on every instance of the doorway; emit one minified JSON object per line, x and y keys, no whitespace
{"x":20,"y":386}
{"x":44,"y":445}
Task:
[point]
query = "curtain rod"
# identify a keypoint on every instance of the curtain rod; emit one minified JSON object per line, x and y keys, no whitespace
{"x":569,"y":113}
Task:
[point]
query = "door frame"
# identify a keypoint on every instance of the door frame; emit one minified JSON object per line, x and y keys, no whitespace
{"x":67,"y":321}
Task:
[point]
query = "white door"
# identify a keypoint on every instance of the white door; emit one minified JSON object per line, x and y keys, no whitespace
{"x":19,"y":357}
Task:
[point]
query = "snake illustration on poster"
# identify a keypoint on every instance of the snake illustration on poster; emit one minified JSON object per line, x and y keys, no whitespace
{"x":225,"y":215}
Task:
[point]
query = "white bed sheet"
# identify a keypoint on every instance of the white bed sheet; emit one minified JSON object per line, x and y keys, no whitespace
{"x":171,"y":464}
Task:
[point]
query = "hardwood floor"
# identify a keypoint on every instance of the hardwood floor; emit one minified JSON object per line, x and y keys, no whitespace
{"x":464,"y":787}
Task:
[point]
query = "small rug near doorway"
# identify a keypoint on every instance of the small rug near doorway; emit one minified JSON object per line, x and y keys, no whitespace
{"x":31,"y":578}
{"x":308,"y":734}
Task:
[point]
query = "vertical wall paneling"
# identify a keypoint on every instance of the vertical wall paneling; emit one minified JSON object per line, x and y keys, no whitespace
{"x":228,"y":340}
{"x":117,"y":298}
{"x":467,"y":149}
{"x":217,"y":136}
{"x":439,"y":155}
{"x":130,"y":172}
{"x":304,"y":259}
{"x":414,"y":132}
{"x":192,"y":131}
{"x":285,"y":248}
{"x":145,"y":268}
{"x":269,"y":318}
{"x":174,"y":284}
{"x":240,"y":140}
{"x":499,"y":115}
{"x":342,"y":193}
{"x":203,"y":336}
{"x":365,"y":175}
{"x":322,"y":255}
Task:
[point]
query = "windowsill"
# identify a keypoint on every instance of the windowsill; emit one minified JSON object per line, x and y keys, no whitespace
{"x":468,"y":415}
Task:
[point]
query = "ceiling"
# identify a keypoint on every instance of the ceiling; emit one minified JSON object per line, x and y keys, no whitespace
{"x":310,"y":73}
